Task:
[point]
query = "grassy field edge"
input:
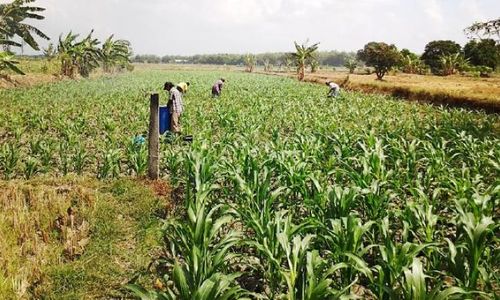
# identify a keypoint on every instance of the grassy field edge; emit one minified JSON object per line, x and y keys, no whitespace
{"x":77,"y":238}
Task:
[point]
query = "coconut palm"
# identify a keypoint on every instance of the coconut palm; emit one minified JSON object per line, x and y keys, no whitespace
{"x":302,"y":55}
{"x":12,"y":16}
{"x":114,"y":52}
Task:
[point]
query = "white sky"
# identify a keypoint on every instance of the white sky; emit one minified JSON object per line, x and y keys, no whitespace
{"x":238,"y":26}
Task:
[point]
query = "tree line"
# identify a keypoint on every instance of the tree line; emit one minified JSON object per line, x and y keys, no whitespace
{"x":277,"y":59}
{"x":74,"y":54}
{"x":481,"y":55}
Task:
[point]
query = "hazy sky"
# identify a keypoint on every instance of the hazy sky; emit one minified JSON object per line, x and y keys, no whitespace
{"x":240,"y":26}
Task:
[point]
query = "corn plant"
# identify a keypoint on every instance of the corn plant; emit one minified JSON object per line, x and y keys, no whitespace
{"x":110,"y":164}
{"x":415,"y":287}
{"x":394,"y":258}
{"x":80,"y":159}
{"x":9,"y":159}
{"x":137,"y":158}
{"x":31,"y":167}
{"x":470,"y":255}
{"x":198,"y":255}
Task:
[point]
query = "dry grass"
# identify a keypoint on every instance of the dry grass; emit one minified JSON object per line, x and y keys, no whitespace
{"x":39,"y":225}
{"x":75,"y":237}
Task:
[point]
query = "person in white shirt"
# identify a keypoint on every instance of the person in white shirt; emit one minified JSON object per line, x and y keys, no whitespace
{"x":334,"y":89}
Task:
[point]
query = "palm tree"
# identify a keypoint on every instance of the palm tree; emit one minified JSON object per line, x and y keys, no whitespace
{"x":114,"y":52}
{"x":12,"y":16}
{"x":302,"y":55}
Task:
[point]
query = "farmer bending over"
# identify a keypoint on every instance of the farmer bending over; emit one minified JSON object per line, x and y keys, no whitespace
{"x":175,"y":106}
{"x":217,"y":87}
{"x":334,"y":89}
{"x":184,"y":86}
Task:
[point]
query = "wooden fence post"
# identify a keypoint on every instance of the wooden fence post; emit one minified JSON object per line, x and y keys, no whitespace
{"x":154,"y":138}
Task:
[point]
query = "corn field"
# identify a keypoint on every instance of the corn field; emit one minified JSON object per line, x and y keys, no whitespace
{"x":285,"y":194}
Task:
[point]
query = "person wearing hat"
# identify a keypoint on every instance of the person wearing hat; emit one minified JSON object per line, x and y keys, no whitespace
{"x":334,"y":89}
{"x":175,"y":106}
{"x":217,"y":87}
{"x":184,"y":86}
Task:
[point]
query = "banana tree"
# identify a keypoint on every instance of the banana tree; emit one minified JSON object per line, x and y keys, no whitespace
{"x":66,"y":53}
{"x":82,"y":56}
{"x":303,"y":54}
{"x":8,"y":62}
{"x":12,"y":16}
{"x":114,"y":52}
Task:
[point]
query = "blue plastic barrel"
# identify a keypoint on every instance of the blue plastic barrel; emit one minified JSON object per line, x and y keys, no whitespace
{"x":164,"y":119}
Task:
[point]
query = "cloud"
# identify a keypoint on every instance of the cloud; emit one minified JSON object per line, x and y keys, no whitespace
{"x":208,"y":26}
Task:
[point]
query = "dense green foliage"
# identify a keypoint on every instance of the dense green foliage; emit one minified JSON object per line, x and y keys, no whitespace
{"x":83,"y":56}
{"x":303,"y":197}
{"x":483,"y":53}
{"x":381,"y":56}
{"x":435,"y":50}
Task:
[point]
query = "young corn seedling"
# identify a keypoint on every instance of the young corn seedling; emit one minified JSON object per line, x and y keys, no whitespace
{"x":415,"y":286}
{"x":80,"y":159}
{"x":199,"y":252}
{"x":394,"y":258}
{"x":471,"y":256}
{"x":110,"y":165}
{"x":137,"y":158}
{"x":9,"y":158}
{"x":31,"y":167}
{"x":344,"y":241}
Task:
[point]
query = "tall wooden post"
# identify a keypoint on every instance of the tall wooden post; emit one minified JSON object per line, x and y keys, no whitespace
{"x":154,"y":137}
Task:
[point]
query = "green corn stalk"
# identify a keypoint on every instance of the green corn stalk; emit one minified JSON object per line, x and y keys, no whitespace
{"x":64,"y":157}
{"x":80,"y":159}
{"x":46,"y":155}
{"x":137,"y":158}
{"x":415,"y":286}
{"x":199,"y":253}
{"x":110,"y":165}
{"x":9,"y":159}
{"x":31,"y":167}
{"x":470,"y":256}
{"x":394,"y":258}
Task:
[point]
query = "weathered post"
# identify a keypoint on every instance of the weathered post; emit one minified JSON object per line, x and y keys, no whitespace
{"x":154,"y":137}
